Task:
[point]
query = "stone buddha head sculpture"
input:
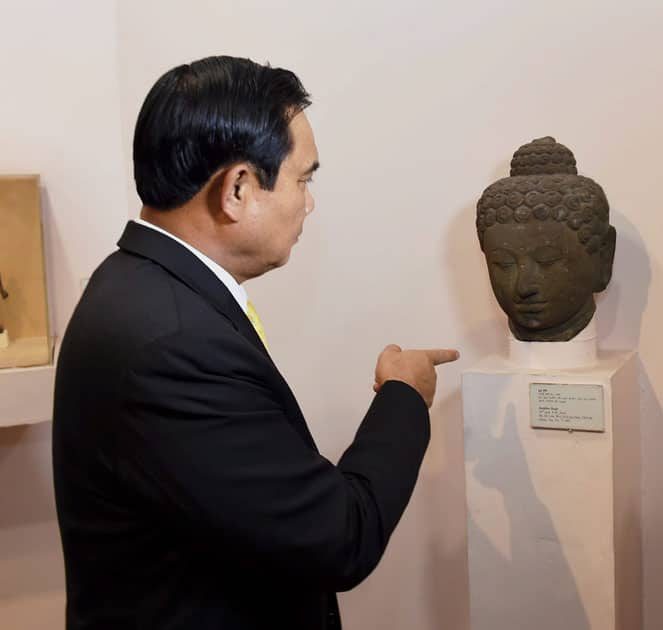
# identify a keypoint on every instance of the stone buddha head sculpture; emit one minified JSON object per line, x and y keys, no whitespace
{"x":548,"y":243}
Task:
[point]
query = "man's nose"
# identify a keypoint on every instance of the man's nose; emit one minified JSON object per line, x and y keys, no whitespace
{"x":310,"y":202}
{"x":527,"y":282}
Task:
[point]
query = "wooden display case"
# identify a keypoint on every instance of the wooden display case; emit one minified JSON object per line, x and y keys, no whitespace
{"x":25,"y":340}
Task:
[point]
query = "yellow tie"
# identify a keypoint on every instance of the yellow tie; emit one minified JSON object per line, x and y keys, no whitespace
{"x":252,"y":314}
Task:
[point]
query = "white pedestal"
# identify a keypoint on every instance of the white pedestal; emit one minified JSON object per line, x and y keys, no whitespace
{"x":26,"y":394}
{"x":553,"y":515}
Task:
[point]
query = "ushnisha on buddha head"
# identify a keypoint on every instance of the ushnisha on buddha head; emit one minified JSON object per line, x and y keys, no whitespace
{"x":548,"y":242}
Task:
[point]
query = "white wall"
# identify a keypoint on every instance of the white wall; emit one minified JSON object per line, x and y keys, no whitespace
{"x":417,"y":107}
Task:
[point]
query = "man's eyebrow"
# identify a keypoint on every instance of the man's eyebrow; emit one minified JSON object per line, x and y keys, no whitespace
{"x":311,"y":169}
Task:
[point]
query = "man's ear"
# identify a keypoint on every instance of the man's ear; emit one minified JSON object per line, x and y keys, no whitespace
{"x":236,"y":190}
{"x":607,"y":254}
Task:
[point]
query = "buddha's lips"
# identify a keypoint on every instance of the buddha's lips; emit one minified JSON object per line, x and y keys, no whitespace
{"x":530,"y":307}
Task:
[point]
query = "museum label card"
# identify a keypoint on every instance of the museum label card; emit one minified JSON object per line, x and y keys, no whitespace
{"x":574,"y":407}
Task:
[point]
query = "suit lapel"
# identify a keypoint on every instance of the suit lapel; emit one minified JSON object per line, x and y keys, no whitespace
{"x":189,"y":269}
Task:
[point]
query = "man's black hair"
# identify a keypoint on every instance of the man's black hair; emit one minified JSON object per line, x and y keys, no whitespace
{"x":211,"y":113}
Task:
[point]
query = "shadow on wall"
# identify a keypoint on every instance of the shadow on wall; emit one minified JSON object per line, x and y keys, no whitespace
{"x":621,"y":306}
{"x":534,"y":567}
{"x":30,"y":551}
{"x":619,"y":320}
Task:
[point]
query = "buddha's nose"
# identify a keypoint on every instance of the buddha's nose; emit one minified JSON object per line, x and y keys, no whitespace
{"x":527,"y":282}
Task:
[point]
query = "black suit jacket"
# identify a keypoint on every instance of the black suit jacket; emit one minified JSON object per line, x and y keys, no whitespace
{"x":190,"y":493}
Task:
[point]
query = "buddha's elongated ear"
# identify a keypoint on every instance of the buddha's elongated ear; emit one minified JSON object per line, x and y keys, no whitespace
{"x":607,"y":254}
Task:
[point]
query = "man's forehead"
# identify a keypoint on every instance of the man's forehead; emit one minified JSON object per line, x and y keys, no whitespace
{"x":304,"y":152}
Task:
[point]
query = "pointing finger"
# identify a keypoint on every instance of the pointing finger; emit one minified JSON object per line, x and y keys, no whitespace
{"x":439,"y":356}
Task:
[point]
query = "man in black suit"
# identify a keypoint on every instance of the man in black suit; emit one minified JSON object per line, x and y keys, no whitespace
{"x":190,"y":493}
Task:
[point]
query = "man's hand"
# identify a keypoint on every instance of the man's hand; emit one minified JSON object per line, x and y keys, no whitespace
{"x":414,"y":367}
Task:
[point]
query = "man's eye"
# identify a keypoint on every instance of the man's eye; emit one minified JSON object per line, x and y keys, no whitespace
{"x":308,"y":180}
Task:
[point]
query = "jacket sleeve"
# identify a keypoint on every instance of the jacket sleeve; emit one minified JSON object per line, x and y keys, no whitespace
{"x":207,"y":445}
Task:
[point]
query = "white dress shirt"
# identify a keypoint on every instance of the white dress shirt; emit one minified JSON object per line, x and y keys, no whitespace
{"x":236,"y":290}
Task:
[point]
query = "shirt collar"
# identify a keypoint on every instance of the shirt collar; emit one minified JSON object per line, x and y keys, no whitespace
{"x":236,"y":290}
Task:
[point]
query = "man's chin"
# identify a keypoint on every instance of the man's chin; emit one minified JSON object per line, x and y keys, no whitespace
{"x":279,"y":263}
